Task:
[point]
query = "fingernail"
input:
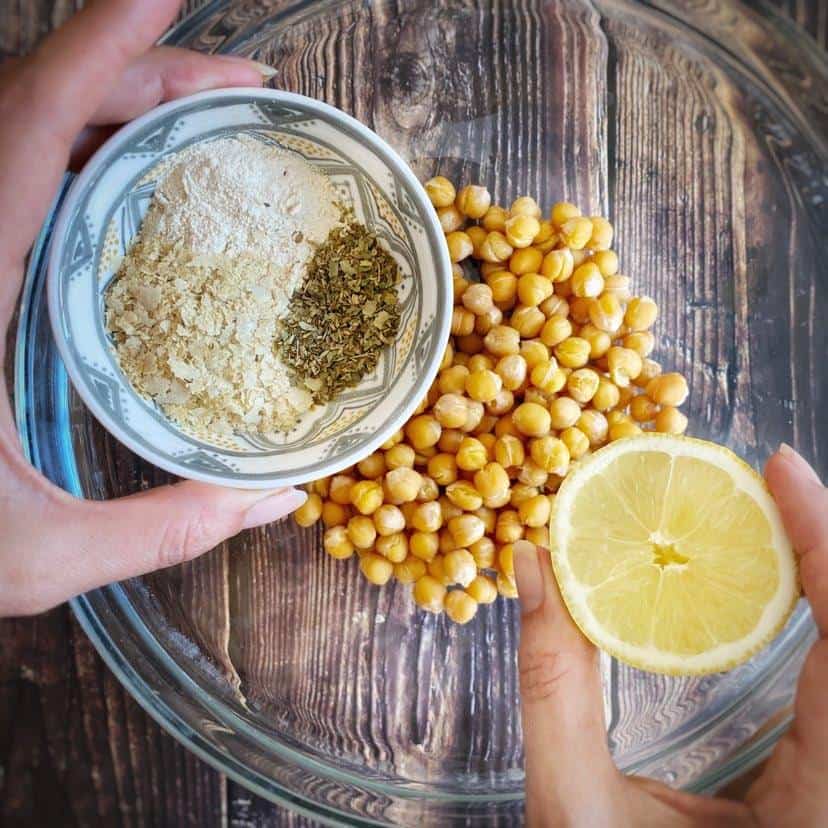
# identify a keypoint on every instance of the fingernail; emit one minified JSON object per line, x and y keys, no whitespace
{"x":528,"y":576}
{"x":274,"y":507}
{"x":267,"y":72}
{"x":799,"y":463}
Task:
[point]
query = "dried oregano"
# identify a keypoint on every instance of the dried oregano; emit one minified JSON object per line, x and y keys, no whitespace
{"x":344,"y":313}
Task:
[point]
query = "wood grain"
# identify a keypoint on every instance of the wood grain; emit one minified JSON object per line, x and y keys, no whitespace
{"x":75,"y":749}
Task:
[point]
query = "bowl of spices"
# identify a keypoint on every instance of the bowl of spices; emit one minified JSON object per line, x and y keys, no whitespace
{"x":250,"y":288}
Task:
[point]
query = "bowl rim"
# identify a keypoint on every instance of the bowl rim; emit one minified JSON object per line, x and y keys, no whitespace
{"x":395,"y":163}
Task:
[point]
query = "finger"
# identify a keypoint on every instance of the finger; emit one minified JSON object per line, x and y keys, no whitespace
{"x":803,"y":503}
{"x":96,"y":543}
{"x":562,"y":704}
{"x":165,"y":73}
{"x":47,"y":98}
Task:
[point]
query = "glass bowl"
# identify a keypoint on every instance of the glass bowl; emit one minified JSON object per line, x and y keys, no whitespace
{"x":701,"y":129}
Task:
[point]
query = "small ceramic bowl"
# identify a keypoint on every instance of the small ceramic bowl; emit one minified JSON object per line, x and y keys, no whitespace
{"x":103,"y":212}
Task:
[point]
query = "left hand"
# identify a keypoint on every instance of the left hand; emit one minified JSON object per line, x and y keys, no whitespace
{"x":571,"y":779}
{"x":98,"y":70}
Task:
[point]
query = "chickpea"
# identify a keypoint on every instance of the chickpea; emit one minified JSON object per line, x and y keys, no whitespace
{"x":460,"y":607}
{"x":495,"y":247}
{"x":599,"y":341}
{"x":504,"y":287}
{"x":535,"y":512}
{"x":525,"y":206}
{"x":520,"y":230}
{"x":573,"y":352}
{"x":475,"y":416}
{"x":643,"y":409}
{"x":486,"y":321}
{"x":606,"y":312}
{"x":320,"y":487}
{"x":337,"y":544}
{"x":502,"y":340}
{"x":402,"y":485}
{"x":450,"y":218}
{"x":537,"y":395}
{"x":483,"y":385}
{"x":310,"y":511}
{"x":334,"y":514}
{"x":550,"y":454}
{"x":531,"y":474}
{"x":556,"y":330}
{"x":460,"y":245}
{"x":527,"y":321}
{"x":670,"y":421}
{"x":503,"y":403}
{"x":410,"y":570}
{"x":440,"y":191}
{"x":539,"y":535}
{"x":482,"y":589}
{"x":373,"y":466}
{"x":624,"y":365}
{"x":480,"y":362}
{"x":606,"y":395}
{"x":602,"y":233}
{"x":451,"y":381}
{"x":459,"y":566}
{"x":436,"y":570}
{"x":576,"y":441}
{"x":576,"y":232}
{"x":525,"y":260}
{"x":607,"y":262}
{"x":512,"y":371}
{"x":462,"y":322}
{"x":450,"y":411}
{"x":625,"y":396}
{"x":487,"y":423}
{"x":509,"y":528}
{"x":393,"y":547}
{"x":463,"y":495}
{"x":548,"y":377}
{"x":532,"y":289}
{"x":388,"y":520}
{"x":531,"y":419}
{"x":429,"y":594}
{"x":506,"y":560}
{"x":521,"y":492}
{"x":558,"y":265}
{"x":641,"y":313}
{"x":450,"y":441}
{"x":473,"y":201}
{"x":491,"y":481}
{"x":650,"y":369}
{"x":442,"y":468}
{"x":466,"y":529}
{"x":509,"y":451}
{"x":506,"y":586}
{"x":564,"y":412}
{"x":618,"y":285}
{"x":483,"y":552}
{"x":562,"y":212}
{"x":583,"y":384}
{"x":477,"y":235}
{"x":495,"y":218}
{"x":618,"y":431}
{"x":399,"y":456}
{"x":668,"y":389}
{"x":594,"y":425}
{"x":488,"y":516}
{"x":423,"y":431}
{"x":340,"y":489}
{"x":505,"y":426}
{"x":424,"y":545}
{"x":563,"y":288}
{"x":478,"y":298}
{"x":366,"y":496}
{"x":361,"y":532}
{"x":642,"y":342}
{"x":554,"y":306}
{"x":587,"y":281}
{"x":471,"y":455}
{"x":533,"y":352}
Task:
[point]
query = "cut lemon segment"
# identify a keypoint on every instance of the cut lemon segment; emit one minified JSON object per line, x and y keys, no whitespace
{"x":671,"y":555}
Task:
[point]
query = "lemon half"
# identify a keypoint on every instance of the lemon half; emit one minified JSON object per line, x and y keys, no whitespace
{"x":671,"y":555}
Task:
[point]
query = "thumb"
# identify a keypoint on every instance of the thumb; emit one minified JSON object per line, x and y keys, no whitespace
{"x":570,"y":776}
{"x":102,"y":542}
{"x":803,"y":503}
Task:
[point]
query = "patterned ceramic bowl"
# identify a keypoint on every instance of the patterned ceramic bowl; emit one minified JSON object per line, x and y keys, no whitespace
{"x":104,"y":211}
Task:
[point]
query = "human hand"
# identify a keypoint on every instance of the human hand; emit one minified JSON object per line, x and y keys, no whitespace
{"x":98,"y":70}
{"x":571,"y":779}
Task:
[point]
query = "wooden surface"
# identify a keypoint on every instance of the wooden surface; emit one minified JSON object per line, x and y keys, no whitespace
{"x":75,"y":749}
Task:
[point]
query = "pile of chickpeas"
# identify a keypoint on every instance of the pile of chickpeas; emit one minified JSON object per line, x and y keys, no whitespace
{"x":549,"y":359}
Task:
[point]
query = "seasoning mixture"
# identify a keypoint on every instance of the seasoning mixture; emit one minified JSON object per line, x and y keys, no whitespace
{"x":235,"y":229}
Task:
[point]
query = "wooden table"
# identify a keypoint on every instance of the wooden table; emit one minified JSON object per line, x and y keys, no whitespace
{"x":75,"y":749}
